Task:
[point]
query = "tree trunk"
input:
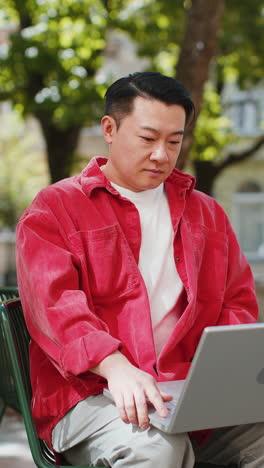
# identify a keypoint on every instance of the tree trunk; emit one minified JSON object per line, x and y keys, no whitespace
{"x":197,"y":50}
{"x":205,"y":173}
{"x":60,"y":146}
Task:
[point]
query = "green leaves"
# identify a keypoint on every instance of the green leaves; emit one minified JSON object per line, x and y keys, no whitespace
{"x":213,"y":131}
{"x":21,"y":176}
{"x":242,"y":40}
{"x":50,"y":62}
{"x":49,"y":66}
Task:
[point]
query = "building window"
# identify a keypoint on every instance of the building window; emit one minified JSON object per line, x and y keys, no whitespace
{"x":248,"y":218}
{"x":246,"y":117}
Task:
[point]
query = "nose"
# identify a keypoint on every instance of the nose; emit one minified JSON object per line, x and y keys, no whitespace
{"x":159,"y":154}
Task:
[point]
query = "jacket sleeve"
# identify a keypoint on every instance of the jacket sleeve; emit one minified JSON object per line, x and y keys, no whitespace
{"x":240,"y":302}
{"x":60,"y":317}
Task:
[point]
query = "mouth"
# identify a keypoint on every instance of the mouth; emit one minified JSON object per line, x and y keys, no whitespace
{"x":154,"y":171}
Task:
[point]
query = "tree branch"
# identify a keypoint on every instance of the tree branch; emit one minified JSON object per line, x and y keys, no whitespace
{"x":234,"y":158}
{"x":106,"y":5}
{"x":25,"y":20}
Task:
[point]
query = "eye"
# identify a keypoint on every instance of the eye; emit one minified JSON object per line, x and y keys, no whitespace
{"x":147,"y":139}
{"x":174,"y":142}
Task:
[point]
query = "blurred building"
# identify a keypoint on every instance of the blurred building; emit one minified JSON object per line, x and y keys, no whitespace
{"x":240,"y":188}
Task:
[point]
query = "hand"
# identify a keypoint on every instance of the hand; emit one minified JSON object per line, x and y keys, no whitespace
{"x":132,"y":389}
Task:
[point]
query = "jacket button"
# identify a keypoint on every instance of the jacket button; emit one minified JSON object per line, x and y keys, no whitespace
{"x":177,"y":259}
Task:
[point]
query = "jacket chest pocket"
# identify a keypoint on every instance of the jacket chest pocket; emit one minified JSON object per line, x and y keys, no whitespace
{"x":211,"y":259}
{"x":107,"y":260}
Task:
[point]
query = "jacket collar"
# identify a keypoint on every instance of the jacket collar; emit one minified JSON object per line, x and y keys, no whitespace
{"x":92,"y":178}
{"x":183,"y":181}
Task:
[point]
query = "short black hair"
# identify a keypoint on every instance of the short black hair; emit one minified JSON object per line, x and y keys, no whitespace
{"x":119,"y":97}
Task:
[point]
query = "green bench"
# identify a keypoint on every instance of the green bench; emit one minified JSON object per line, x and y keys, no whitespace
{"x":8,"y":292}
{"x":8,"y":395}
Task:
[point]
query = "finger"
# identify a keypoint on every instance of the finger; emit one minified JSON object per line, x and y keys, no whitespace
{"x":156,"y":399}
{"x":130,"y":409}
{"x":166,"y":396}
{"x":142,"y":411}
{"x":121,"y":409}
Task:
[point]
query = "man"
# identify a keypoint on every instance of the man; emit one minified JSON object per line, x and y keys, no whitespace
{"x":120,"y":269}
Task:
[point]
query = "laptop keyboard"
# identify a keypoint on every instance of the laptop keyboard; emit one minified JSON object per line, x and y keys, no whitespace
{"x":173,"y":388}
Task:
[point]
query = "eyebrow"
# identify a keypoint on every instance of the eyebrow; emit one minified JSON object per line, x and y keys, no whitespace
{"x":177,"y":132}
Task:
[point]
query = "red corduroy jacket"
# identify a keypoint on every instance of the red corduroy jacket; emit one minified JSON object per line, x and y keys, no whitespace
{"x":84,"y":297}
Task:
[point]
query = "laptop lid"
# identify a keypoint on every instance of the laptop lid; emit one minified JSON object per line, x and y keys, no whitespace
{"x":225,"y":384}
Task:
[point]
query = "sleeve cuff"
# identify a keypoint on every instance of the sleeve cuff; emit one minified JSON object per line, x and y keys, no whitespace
{"x":87,"y":351}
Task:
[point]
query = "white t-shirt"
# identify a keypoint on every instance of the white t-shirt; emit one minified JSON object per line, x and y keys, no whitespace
{"x":156,"y":259}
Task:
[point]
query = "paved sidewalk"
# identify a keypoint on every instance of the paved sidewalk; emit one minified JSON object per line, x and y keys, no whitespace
{"x":14,"y":449}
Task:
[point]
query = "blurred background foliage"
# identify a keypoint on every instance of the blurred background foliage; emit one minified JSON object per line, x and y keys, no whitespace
{"x":50,"y":63}
{"x":22,"y":170}
{"x":213,"y":131}
{"x":159,"y":28}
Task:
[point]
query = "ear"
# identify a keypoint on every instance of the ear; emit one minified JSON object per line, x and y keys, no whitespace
{"x":108,"y":125}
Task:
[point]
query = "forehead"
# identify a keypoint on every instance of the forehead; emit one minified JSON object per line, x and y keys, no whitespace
{"x":155,"y":114}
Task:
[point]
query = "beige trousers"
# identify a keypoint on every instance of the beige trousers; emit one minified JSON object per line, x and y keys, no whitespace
{"x":92,"y":434}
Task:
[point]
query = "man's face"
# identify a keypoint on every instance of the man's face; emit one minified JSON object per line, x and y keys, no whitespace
{"x":144,"y":149}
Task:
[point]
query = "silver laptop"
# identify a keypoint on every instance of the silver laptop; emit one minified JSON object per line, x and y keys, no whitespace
{"x":225,"y":384}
